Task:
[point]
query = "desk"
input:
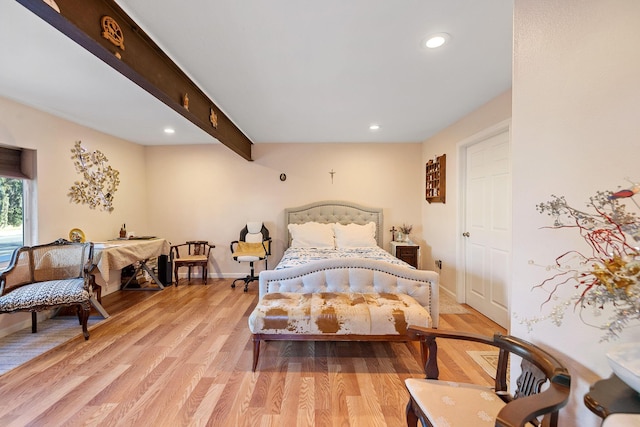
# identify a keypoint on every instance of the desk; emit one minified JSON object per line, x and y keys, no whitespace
{"x":612,"y":396}
{"x":117,"y":254}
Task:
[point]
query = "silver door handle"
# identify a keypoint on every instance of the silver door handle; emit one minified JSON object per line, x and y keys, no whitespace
{"x":466,"y":234}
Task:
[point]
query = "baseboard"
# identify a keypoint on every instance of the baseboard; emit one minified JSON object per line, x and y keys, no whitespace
{"x":214,"y":276}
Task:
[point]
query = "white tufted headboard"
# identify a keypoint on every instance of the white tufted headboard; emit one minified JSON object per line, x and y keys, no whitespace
{"x":331,"y":211}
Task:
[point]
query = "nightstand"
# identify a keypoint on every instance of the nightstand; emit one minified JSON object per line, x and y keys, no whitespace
{"x":407,"y":252}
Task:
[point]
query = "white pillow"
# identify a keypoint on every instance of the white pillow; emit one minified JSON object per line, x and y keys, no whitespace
{"x":311,"y":235}
{"x":355,"y":236}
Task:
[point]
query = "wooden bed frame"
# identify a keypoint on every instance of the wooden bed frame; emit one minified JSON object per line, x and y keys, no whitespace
{"x":365,"y":275}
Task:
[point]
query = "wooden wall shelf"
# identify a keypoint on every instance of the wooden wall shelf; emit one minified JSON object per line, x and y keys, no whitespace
{"x":436,"y":179}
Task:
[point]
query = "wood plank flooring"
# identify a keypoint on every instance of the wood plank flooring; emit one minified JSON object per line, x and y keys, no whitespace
{"x":182,"y":357}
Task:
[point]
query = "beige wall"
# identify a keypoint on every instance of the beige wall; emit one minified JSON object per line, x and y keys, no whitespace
{"x":576,"y":97}
{"x":439,"y":220}
{"x":207,"y":192}
{"x":53,"y":138}
{"x":574,"y":131}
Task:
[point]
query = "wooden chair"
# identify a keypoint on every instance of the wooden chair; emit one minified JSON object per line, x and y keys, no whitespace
{"x":193,"y":253}
{"x":437,"y":403}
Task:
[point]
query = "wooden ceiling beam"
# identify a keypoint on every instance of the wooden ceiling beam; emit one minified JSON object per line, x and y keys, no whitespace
{"x":142,"y":61}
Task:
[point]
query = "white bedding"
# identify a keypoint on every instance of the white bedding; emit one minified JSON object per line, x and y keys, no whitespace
{"x":298,"y":256}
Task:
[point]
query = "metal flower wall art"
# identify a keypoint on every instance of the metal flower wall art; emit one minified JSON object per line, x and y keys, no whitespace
{"x":99,"y":181}
{"x":606,"y":274}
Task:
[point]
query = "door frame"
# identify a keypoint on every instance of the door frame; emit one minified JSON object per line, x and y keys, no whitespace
{"x":461,"y":161}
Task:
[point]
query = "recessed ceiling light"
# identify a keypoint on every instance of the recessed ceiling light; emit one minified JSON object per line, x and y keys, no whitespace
{"x":436,"y":40}
{"x":374,"y":127}
{"x":169,"y":130}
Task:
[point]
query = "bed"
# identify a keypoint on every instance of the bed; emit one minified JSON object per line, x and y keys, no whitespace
{"x":336,"y":283}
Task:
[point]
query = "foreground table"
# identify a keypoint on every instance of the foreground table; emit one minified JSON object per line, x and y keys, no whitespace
{"x":612,"y":396}
{"x":117,"y":254}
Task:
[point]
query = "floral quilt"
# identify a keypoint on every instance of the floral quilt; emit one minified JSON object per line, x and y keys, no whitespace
{"x":298,"y":256}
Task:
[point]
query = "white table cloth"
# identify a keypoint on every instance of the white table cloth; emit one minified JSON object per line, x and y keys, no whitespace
{"x":117,"y":254}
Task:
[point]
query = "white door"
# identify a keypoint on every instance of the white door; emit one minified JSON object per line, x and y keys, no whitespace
{"x":486,"y":237}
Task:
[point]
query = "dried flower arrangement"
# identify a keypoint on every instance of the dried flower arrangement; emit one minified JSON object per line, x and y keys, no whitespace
{"x":406,"y":229}
{"x":100,"y":181}
{"x":609,"y":275}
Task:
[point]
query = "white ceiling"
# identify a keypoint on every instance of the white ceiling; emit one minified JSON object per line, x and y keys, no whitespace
{"x":282,"y":70}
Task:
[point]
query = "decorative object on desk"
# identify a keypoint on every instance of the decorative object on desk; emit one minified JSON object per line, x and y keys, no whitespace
{"x":393,"y":233}
{"x":123,"y":231}
{"x":76,"y":235}
{"x":624,"y":360}
{"x":605,"y":276}
{"x":99,"y":181}
{"x":405,"y":230}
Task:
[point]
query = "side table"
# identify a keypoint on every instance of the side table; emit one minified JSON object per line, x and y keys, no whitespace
{"x":612,"y":396}
{"x":407,"y":252}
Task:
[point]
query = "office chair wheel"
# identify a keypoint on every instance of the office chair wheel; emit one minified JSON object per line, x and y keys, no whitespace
{"x":241,"y":279}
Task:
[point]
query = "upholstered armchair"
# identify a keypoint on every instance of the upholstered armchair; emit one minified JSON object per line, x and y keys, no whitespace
{"x":49,"y":276}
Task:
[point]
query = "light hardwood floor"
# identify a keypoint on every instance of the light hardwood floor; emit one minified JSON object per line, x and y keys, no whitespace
{"x":182,"y":356}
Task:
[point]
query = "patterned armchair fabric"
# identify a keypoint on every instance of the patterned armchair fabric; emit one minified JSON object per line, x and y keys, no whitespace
{"x":48,"y":276}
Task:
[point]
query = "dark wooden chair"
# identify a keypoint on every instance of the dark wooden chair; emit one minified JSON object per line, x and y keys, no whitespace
{"x":193,"y":253}
{"x":434,"y":402}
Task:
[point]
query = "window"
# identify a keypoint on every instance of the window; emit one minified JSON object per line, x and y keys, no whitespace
{"x":11,"y":218}
{"x":17,"y":200}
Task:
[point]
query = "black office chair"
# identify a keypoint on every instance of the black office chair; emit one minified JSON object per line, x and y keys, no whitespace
{"x":253,"y":245}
